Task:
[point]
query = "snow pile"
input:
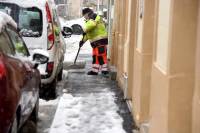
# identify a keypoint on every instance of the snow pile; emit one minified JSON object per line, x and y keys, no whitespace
{"x":64,"y":76}
{"x":29,"y":33}
{"x":46,"y":113}
{"x":92,"y":113}
{"x":50,"y":102}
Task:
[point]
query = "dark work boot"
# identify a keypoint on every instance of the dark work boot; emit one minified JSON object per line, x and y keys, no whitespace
{"x":92,"y":73}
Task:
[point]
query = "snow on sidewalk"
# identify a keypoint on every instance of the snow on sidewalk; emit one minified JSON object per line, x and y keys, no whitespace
{"x":95,"y":113}
{"x":47,"y":109}
{"x":46,"y":112}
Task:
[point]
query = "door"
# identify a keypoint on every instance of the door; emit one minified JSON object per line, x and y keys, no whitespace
{"x":30,"y":85}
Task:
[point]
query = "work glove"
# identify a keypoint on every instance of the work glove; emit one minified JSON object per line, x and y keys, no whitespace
{"x":81,"y":43}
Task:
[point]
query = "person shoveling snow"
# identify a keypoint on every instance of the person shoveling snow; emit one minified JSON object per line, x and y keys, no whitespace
{"x":95,"y":32}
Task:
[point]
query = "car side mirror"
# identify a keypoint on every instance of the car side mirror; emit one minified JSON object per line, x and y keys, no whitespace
{"x":40,"y":57}
{"x":77,"y":29}
{"x":67,"y":32}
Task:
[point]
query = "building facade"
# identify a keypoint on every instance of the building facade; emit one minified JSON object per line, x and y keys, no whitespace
{"x":74,"y":8}
{"x":97,"y":5}
{"x":156,"y":51}
{"x":69,"y":9}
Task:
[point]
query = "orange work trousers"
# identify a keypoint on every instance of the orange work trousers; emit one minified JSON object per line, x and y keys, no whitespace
{"x":99,"y":56}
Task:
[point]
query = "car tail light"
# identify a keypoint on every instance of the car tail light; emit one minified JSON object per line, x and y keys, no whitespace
{"x":50,"y":30}
{"x":2,"y":70}
{"x":50,"y":66}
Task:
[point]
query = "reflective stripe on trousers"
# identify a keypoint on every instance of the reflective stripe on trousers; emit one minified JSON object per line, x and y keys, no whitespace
{"x":100,"y":61}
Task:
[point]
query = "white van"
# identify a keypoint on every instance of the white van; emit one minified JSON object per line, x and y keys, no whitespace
{"x":39,"y":25}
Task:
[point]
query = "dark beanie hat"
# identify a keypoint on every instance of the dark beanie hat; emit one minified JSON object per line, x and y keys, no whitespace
{"x":86,"y":10}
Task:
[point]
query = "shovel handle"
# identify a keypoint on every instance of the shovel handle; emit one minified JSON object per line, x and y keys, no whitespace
{"x":78,"y":51}
{"x":77,"y":55}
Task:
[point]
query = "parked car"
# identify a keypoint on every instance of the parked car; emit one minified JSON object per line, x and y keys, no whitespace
{"x":19,"y":79}
{"x":40,"y":27}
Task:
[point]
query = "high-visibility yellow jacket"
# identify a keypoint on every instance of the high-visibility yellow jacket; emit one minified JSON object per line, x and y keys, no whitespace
{"x":95,"y":31}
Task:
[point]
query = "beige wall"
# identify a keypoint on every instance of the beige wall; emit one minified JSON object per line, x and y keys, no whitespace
{"x":172,"y":90}
{"x":132,"y":44}
{"x":159,"y":54}
{"x":119,"y":49}
{"x":143,"y":59}
{"x":75,"y":8}
{"x":124,"y":39}
{"x":115,"y":32}
{"x":121,"y":40}
{"x":196,"y":102}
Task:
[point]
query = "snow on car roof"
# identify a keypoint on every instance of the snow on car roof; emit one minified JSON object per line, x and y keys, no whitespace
{"x":26,"y":3}
{"x":6,"y":20}
{"x":29,"y":3}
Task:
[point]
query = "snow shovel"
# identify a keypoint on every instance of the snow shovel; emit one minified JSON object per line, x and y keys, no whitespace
{"x":77,"y":55}
{"x":77,"y":65}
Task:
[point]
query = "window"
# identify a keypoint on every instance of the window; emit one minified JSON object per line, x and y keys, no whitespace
{"x":30,"y":22}
{"x":10,"y":9}
{"x":20,"y":48}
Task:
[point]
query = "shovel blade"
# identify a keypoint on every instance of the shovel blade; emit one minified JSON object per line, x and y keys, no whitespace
{"x":71,"y":65}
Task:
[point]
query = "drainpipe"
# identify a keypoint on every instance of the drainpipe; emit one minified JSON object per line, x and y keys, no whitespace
{"x":125,"y":77}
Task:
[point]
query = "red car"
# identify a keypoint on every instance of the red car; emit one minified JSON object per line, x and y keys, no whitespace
{"x":19,"y":79}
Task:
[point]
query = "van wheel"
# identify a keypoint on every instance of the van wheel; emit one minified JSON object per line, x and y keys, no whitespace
{"x":29,"y":127}
{"x":60,"y":74}
{"x":13,"y":129}
{"x":52,"y":89}
{"x":48,"y":91}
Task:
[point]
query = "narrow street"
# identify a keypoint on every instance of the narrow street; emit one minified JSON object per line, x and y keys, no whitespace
{"x":85,"y":103}
{"x":99,"y":66}
{"x":48,"y":109}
